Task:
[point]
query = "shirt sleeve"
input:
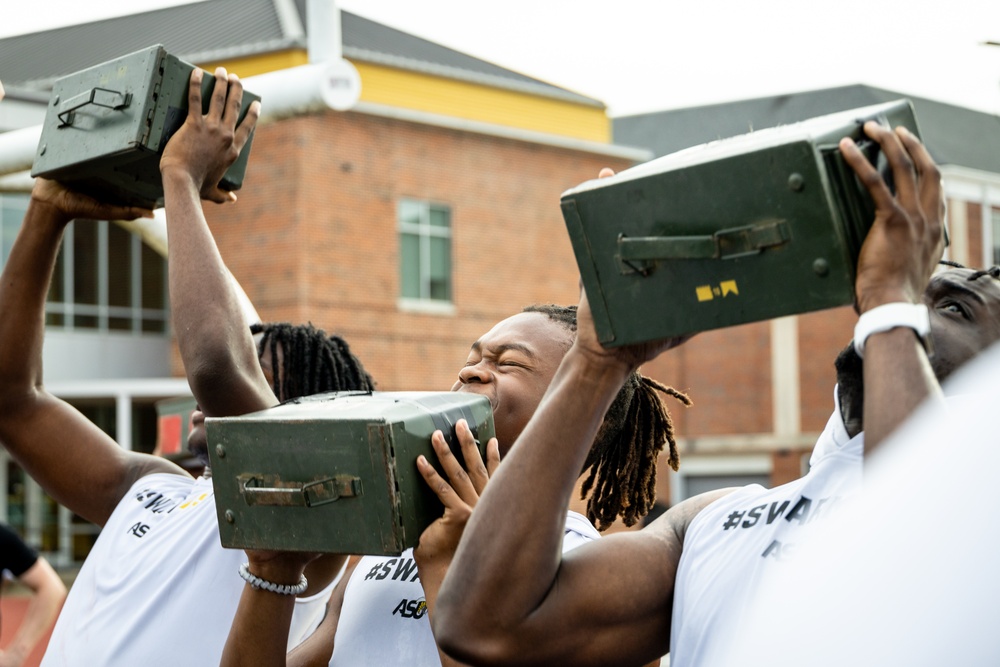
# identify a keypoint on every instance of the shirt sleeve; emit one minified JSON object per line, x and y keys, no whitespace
{"x":15,"y":555}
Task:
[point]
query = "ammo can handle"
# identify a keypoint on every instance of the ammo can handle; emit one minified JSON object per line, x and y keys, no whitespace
{"x":723,"y":244}
{"x":101,"y":97}
{"x":309,"y":494}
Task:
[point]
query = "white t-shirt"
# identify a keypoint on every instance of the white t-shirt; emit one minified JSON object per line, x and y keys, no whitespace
{"x":309,"y":612}
{"x":158,"y":588}
{"x":906,"y":574}
{"x":384,"y":618}
{"x":739,"y":538}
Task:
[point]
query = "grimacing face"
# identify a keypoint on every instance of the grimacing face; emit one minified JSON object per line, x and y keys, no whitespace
{"x":512,"y":365}
{"x":964,"y":315}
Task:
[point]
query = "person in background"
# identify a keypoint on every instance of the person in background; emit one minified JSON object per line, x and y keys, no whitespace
{"x":511,"y":365}
{"x":681,"y":582}
{"x":156,"y":570}
{"x":47,"y":594}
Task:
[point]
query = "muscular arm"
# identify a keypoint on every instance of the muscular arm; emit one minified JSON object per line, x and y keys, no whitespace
{"x":48,"y":595}
{"x":897,"y":259}
{"x":219,"y":356}
{"x":260,"y":628}
{"x":606,"y":602}
{"x":73,"y":460}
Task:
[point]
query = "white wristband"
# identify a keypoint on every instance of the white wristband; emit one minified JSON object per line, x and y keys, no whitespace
{"x":264,"y":584}
{"x":890,"y":316}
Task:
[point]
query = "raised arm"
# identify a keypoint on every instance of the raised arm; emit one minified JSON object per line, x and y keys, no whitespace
{"x":509,"y":596}
{"x":73,"y":460}
{"x":212,"y":333}
{"x":48,"y":593}
{"x":897,"y":260}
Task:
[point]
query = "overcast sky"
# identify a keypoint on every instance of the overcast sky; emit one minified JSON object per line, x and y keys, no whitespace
{"x":647,"y":55}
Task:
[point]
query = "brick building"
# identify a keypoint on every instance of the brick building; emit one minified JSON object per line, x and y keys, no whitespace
{"x":413,"y":222}
{"x":409,"y":224}
{"x":764,"y":391}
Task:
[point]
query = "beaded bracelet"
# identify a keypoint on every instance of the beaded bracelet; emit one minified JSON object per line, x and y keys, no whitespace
{"x":264,"y":584}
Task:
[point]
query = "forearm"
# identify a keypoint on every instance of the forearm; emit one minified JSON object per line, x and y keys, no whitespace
{"x":23,"y":289}
{"x":259,"y":634}
{"x":898,"y":378}
{"x":212,"y":332}
{"x":508,"y":534}
{"x":49,"y":593}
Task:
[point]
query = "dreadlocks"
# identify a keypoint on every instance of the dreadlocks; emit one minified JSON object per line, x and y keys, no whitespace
{"x":313,"y":362}
{"x":622,"y":461}
{"x":993,"y":271}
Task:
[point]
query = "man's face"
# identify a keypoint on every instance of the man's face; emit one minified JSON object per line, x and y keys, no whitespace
{"x":965,"y":317}
{"x":512,"y":365}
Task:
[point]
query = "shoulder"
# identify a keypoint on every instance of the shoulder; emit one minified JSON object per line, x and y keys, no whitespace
{"x":676,"y":521}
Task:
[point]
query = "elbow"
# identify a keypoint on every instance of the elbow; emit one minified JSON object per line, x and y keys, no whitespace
{"x":212,"y":371}
{"x":473,"y":642}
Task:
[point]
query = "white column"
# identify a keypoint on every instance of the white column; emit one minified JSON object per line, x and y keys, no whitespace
{"x":989,"y":241}
{"x":64,"y":552}
{"x":785,"y":394}
{"x":33,"y":499}
{"x":958,"y":232}
{"x":123,"y":420}
{"x":323,"y":31}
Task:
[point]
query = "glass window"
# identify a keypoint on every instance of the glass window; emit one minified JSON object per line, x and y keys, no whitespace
{"x":105,"y":278}
{"x":119,"y":258}
{"x":425,"y":251}
{"x":409,"y":266}
{"x":85,"y":261}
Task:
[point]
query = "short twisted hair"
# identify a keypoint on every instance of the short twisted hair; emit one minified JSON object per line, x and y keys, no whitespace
{"x":622,"y":460}
{"x":314,"y":362}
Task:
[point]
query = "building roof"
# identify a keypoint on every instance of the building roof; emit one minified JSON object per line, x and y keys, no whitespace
{"x":192,"y":32}
{"x":954,"y":135}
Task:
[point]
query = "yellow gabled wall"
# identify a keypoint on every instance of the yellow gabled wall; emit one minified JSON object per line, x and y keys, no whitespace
{"x":260,"y":64}
{"x":450,"y":97}
{"x":470,"y":101}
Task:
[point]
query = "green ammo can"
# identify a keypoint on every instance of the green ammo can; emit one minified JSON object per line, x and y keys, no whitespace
{"x":336,"y":473}
{"x":738,"y":230}
{"x":106,"y":127}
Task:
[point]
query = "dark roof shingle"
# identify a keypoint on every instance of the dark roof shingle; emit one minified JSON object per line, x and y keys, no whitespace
{"x":215,"y":30}
{"x":954,"y":135}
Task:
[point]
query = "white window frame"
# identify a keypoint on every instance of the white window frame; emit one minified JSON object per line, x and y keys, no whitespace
{"x":102,"y":311}
{"x":424,"y":231}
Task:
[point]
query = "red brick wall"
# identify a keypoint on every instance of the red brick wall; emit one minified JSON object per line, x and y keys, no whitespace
{"x":822,"y":335}
{"x":313,"y":236}
{"x":727,"y":374}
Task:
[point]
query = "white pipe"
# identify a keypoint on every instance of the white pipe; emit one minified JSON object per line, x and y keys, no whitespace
{"x":324,"y":35}
{"x":289,"y":92}
{"x":17,"y":183}
{"x":17,"y":149}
